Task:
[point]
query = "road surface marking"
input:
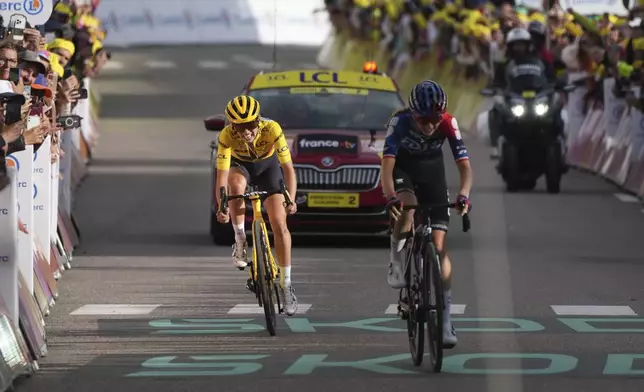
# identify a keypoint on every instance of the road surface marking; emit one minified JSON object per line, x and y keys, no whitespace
{"x":581,"y":310}
{"x":114,"y":309}
{"x":626,"y":198}
{"x":255,"y":309}
{"x":212,"y":64}
{"x":113,"y":65}
{"x":456,"y":309}
{"x":160,"y":64}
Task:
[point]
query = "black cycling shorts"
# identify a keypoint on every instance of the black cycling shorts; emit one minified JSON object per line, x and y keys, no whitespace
{"x":266,"y":174}
{"x":426,"y":180}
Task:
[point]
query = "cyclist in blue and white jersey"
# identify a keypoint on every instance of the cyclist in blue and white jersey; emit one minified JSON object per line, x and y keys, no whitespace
{"x":413,"y":172}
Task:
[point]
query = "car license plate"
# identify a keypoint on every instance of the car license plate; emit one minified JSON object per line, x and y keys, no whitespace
{"x":333,"y":200}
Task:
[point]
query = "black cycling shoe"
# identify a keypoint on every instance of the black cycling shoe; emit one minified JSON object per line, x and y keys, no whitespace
{"x":250,"y":286}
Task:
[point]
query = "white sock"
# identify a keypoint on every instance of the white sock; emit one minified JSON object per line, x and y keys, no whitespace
{"x":285,"y":275}
{"x":447,"y":299}
{"x":240,"y":233}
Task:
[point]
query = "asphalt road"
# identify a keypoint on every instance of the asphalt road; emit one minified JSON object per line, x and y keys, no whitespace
{"x":144,"y":214}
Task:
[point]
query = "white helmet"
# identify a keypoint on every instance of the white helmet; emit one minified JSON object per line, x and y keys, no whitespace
{"x":518,"y":34}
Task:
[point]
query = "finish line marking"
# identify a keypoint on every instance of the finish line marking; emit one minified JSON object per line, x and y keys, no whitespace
{"x":256,"y":309}
{"x":579,"y":310}
{"x":114,"y":309}
{"x":456,"y":309}
{"x":626,"y":198}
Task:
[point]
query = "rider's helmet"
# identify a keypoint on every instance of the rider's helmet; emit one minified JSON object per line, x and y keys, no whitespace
{"x":242,"y":109}
{"x":427,"y":99}
{"x":370,"y":67}
{"x":537,"y":32}
{"x":516,"y":38}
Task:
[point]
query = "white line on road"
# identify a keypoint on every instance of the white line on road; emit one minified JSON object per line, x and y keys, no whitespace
{"x":255,"y":309}
{"x":456,"y":309}
{"x":114,"y":309}
{"x":212,"y":64}
{"x":158,"y":64}
{"x":626,"y":198}
{"x":113,"y":65}
{"x":581,"y":310}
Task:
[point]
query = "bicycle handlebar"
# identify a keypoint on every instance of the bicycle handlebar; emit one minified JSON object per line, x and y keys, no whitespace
{"x":466,"y":218}
{"x":224,"y":198}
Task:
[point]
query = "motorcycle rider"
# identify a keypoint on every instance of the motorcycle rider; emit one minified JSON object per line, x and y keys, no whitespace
{"x":522,"y":65}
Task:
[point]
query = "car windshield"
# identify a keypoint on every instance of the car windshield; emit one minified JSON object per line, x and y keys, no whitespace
{"x":328,"y":108}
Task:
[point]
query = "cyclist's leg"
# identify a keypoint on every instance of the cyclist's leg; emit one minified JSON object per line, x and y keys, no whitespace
{"x":405,"y":193}
{"x":437,"y":193}
{"x":238,"y":180}
{"x":269,"y":180}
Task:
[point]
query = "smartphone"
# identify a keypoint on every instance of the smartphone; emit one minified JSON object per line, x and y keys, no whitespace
{"x":17,"y":26}
{"x":33,"y":121}
{"x":83,"y":93}
{"x":27,"y":93}
{"x":13,"y":112}
{"x":14,"y":75}
{"x":69,"y":122}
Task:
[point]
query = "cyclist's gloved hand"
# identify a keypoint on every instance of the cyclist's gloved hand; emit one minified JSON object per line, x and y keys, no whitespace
{"x":464,"y":204}
{"x":394,"y":206}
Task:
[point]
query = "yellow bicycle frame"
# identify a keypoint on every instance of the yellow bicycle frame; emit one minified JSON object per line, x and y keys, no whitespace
{"x":258,"y":217}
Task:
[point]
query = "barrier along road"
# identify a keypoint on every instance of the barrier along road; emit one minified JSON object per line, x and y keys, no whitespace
{"x":547,"y":287}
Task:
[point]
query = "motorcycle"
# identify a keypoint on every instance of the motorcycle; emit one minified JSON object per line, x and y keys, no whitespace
{"x":531,"y":142}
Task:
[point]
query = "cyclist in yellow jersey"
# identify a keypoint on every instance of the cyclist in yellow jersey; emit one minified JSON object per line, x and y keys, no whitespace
{"x":252,"y":149}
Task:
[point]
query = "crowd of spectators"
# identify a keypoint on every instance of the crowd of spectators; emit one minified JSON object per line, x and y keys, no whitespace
{"x":42,"y":69}
{"x":472,"y":34}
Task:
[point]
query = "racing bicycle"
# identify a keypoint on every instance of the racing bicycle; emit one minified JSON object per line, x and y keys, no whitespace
{"x":421,"y":301}
{"x":263,"y":269}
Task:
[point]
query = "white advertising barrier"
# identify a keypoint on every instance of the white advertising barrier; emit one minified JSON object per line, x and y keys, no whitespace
{"x":23,"y":162}
{"x":171,"y":22}
{"x":42,"y":197}
{"x":8,"y":245}
{"x":585,"y":7}
{"x":610,"y":140}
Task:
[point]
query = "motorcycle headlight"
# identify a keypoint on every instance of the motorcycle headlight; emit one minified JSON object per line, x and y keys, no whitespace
{"x":540,"y":109}
{"x":518,"y":110}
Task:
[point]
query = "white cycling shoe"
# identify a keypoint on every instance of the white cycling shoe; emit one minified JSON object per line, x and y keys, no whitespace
{"x":396,"y":277}
{"x":449,"y":336}
{"x":239,"y":254}
{"x":289,"y":299}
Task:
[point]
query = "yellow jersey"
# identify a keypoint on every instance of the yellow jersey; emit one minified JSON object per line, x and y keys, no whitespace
{"x":269,"y":138}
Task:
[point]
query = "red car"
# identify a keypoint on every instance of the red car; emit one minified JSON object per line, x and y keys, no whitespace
{"x":335,"y":124}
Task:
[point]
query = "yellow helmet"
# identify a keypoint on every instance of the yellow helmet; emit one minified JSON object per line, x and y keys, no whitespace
{"x":242,"y":109}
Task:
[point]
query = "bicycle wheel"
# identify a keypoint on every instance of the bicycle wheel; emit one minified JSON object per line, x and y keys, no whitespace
{"x":264,"y":280}
{"x":415,"y":312}
{"x":436,"y":306}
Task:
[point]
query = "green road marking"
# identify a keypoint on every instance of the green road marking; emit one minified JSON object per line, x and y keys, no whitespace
{"x":189,"y":368}
{"x":558,"y":363}
{"x":585,"y":324}
{"x":306,"y":364}
{"x":622,"y":365}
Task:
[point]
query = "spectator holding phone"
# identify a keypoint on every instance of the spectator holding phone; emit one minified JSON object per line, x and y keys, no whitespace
{"x":64,"y":49}
{"x":30,"y":66}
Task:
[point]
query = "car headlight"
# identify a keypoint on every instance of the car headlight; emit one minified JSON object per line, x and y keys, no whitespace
{"x":540,"y":109}
{"x":518,"y":110}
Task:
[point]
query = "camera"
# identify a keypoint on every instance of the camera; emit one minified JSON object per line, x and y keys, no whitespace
{"x":69,"y":122}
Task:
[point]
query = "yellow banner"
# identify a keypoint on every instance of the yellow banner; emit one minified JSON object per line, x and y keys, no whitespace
{"x":313,"y":78}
